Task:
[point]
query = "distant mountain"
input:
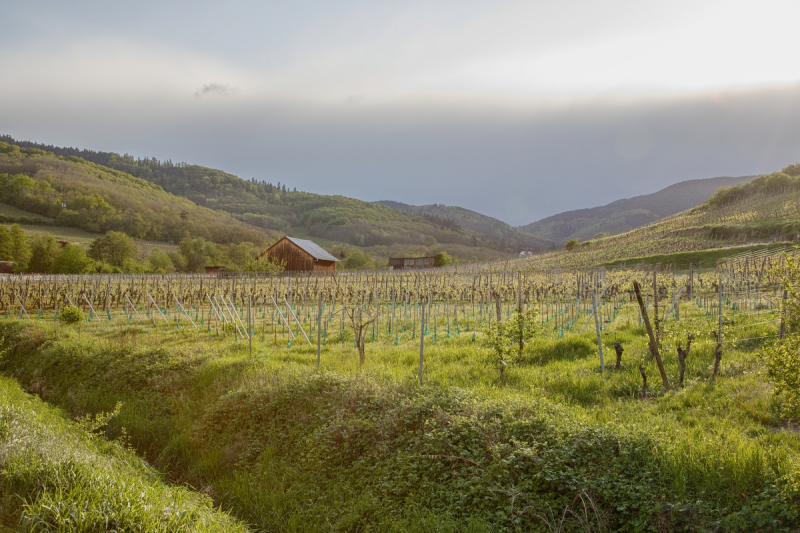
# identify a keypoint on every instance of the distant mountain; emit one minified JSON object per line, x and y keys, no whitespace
{"x":630,"y":213}
{"x":507,"y":236}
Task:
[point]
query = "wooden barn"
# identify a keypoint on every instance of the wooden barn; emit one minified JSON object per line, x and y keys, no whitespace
{"x":299,"y":255}
{"x":410,"y":263}
{"x":6,"y":267}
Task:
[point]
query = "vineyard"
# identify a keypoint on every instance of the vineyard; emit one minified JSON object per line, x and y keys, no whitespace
{"x":494,"y":397}
{"x":458,"y":303}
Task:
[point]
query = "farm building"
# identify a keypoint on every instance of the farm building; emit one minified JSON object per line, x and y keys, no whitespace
{"x":409,"y":263}
{"x":6,"y":267}
{"x":299,"y":255}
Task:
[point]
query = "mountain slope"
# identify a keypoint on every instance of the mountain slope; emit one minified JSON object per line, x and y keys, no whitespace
{"x":80,"y":194}
{"x":381,"y":230}
{"x":506,"y":234}
{"x":629,"y":213}
{"x":764,"y":210}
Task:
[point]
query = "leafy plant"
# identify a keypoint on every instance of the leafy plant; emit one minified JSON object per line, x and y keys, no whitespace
{"x":72,"y":315}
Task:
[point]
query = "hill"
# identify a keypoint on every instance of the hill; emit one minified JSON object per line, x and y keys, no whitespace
{"x":381,"y":230}
{"x":505,"y":234}
{"x":763,"y":210}
{"x":73,"y":192}
{"x":629,"y":213}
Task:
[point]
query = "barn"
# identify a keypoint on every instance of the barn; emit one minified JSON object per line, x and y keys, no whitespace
{"x":299,"y":255}
{"x":6,"y":267}
{"x":409,"y":263}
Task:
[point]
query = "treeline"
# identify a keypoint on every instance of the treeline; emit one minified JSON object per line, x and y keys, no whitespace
{"x":116,"y":252}
{"x":79,"y":194}
{"x":786,"y":180}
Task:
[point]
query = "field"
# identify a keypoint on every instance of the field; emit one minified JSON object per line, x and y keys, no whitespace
{"x":465,"y":434}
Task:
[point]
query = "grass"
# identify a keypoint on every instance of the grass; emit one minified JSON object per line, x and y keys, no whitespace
{"x":13,"y":212}
{"x":701,"y":259}
{"x":286,"y":446}
{"x":57,"y":476}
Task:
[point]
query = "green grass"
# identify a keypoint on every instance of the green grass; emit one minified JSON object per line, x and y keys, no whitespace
{"x":701,"y":259}
{"x":11,"y":211}
{"x":57,"y":476}
{"x":289,"y":447}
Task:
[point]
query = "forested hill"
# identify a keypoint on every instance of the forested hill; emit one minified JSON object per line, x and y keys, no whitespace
{"x":73,"y":192}
{"x":629,"y":213}
{"x":381,"y":230}
{"x":505,"y":233}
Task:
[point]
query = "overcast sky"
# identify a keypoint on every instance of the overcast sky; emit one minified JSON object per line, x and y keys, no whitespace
{"x":518,"y":110}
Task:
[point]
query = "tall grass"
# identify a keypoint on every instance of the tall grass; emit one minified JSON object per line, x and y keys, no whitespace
{"x":54,"y":476}
{"x":289,"y":447}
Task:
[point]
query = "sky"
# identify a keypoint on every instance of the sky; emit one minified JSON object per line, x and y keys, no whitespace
{"x":518,"y":110}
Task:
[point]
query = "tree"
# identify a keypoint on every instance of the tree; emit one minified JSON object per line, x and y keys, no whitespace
{"x":5,"y":244}
{"x":783,"y":356}
{"x":20,"y":249}
{"x":442,"y":259}
{"x":160,"y":262}
{"x":357,"y":259}
{"x":72,"y":260}
{"x":570,"y":244}
{"x":44,"y":249}
{"x":113,"y":248}
{"x":199,"y":253}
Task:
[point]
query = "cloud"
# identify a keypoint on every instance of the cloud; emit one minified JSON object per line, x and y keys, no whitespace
{"x":214,"y":89}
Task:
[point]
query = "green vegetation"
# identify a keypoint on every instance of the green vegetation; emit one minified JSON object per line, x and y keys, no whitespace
{"x":261,"y":207}
{"x":627,"y":214}
{"x":56,"y":475}
{"x":99,"y":199}
{"x":698,"y":259}
{"x":287,"y":446}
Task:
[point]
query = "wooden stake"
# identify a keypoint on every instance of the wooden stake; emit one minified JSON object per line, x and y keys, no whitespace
{"x":653,"y":344}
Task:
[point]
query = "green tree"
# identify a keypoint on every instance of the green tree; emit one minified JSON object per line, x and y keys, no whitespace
{"x":357,"y":260}
{"x":160,"y":262}
{"x":442,"y":259}
{"x":20,"y":249}
{"x":570,"y":244}
{"x":783,"y":357}
{"x":72,"y":260}
{"x":199,"y":253}
{"x":5,"y":244}
{"x":44,"y":249}
{"x":113,"y":248}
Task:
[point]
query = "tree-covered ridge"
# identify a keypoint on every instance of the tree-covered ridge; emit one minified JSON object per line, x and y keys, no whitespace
{"x":81,"y":194}
{"x":787,"y":180}
{"x":505,"y":235}
{"x":334,"y":218}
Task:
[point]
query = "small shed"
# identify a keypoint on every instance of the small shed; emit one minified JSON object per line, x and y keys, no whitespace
{"x":6,"y":267}
{"x":213,"y":269}
{"x":299,"y":255}
{"x":411,"y":263}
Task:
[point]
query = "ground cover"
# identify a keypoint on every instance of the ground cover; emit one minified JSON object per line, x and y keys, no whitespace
{"x":56,"y":475}
{"x":287,"y":446}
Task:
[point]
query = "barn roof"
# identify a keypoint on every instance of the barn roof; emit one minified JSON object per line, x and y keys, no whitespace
{"x":313,"y":249}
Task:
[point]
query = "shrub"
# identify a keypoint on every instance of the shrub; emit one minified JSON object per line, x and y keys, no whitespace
{"x":71,"y":315}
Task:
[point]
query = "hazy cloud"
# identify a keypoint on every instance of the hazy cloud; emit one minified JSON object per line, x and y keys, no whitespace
{"x":214,"y":89}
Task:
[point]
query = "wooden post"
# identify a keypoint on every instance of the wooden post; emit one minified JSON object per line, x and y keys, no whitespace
{"x":691,"y":282}
{"x":653,"y":344}
{"x":719,"y":313}
{"x":783,"y":316}
{"x":319,"y":328}
{"x":250,"y":322}
{"x":597,"y":329}
{"x":421,"y":341}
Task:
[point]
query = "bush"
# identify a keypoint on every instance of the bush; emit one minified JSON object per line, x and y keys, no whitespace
{"x":72,"y":315}
{"x":570,"y":244}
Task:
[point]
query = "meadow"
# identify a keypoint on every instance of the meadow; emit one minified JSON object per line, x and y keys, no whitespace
{"x":545,"y":439}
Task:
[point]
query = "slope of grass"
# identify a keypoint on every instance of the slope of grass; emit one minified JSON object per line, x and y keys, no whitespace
{"x":57,"y":476}
{"x":290,"y":447}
